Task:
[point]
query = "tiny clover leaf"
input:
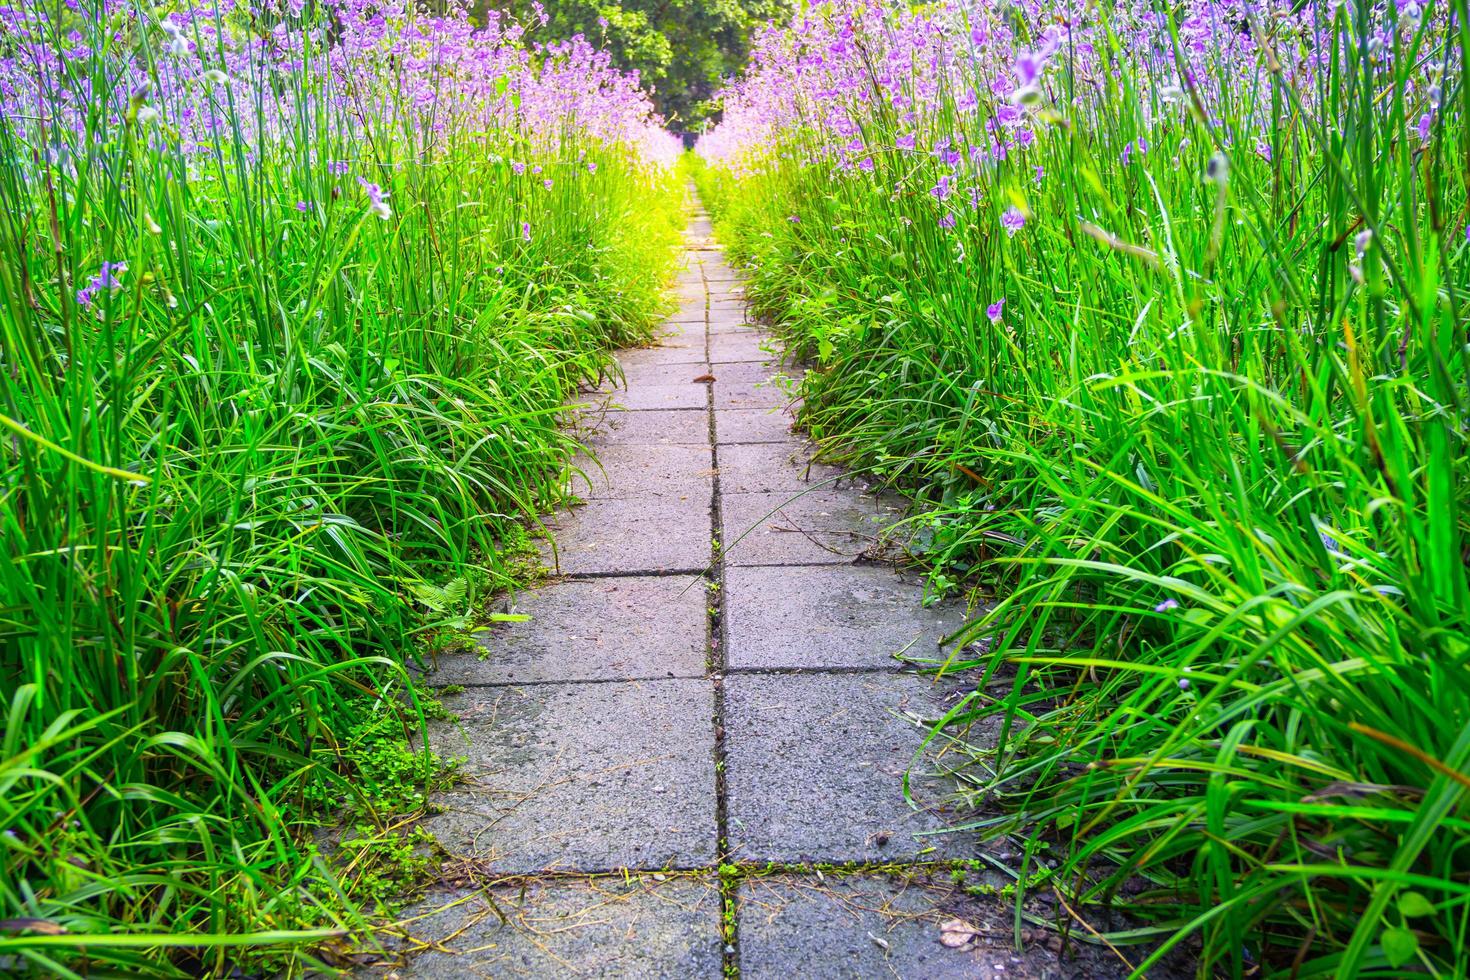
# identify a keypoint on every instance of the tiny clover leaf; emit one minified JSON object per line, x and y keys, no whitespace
{"x":1399,"y":945}
{"x":1413,"y":905}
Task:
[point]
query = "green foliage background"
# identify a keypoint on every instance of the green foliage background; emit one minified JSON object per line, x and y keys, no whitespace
{"x":682,"y":49}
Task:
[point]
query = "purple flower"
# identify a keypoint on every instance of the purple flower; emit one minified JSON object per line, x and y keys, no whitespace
{"x":525,"y":231}
{"x":517,"y":167}
{"x":906,"y":142}
{"x":947,"y":221}
{"x":591,"y":167}
{"x":941,"y":189}
{"x":1012,"y":221}
{"x":302,"y":206}
{"x":1166,"y":605}
{"x":106,"y":278}
{"x":377,"y":198}
{"x":547,"y":183}
{"x":995,"y":310}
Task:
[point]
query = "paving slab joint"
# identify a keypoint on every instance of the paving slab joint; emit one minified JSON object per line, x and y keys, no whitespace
{"x":718,"y":662}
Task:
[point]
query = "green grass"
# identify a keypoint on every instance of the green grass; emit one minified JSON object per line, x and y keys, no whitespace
{"x":243,"y":489}
{"x":1211,"y":463}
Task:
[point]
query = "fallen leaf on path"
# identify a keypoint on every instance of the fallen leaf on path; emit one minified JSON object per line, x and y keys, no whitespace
{"x":958,"y":934}
{"x":704,"y":379}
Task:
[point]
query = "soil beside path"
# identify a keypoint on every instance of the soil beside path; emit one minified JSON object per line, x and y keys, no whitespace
{"x":688,"y":762}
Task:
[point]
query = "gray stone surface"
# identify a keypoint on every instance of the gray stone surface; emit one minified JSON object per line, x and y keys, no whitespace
{"x":652,"y":427}
{"x":829,"y":616}
{"x":596,"y":928}
{"x":737,"y":394}
{"x":682,"y":394}
{"x":814,"y":763}
{"x":878,"y":926}
{"x":631,"y":536}
{"x":680,"y":352}
{"x":591,"y":629}
{"x":645,"y":472}
{"x":580,"y":776}
{"x":656,"y":374}
{"x":816,"y":527}
{"x":737,"y":347}
{"x":690,"y":334}
{"x":726,"y":324}
{"x":753,"y":425}
{"x":773,"y":467}
{"x":751,"y":372}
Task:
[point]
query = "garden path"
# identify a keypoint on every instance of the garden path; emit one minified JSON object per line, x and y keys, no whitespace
{"x":688,"y":762}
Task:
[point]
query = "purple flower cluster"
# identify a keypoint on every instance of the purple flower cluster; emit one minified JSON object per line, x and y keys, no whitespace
{"x":861,"y":88}
{"x":199,"y":76}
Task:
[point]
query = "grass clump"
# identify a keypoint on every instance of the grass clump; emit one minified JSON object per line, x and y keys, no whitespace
{"x":291,"y":301}
{"x":1159,"y":313}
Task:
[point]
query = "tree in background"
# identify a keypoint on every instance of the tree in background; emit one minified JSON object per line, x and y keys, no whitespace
{"x":681,"y":48}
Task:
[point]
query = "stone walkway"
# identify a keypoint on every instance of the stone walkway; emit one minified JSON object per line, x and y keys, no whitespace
{"x":688,"y":762}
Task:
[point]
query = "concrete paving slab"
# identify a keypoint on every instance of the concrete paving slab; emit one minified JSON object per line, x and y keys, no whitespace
{"x":753,"y":372}
{"x":737,"y":347}
{"x":785,"y":617}
{"x":735,"y":425}
{"x":623,"y":471}
{"x":761,"y":394}
{"x":591,"y":629}
{"x":590,"y":928}
{"x":642,"y":397}
{"x":631,"y":536}
{"x":816,"y":527}
{"x":880,"y":926}
{"x":778,"y":467}
{"x":650,"y":427}
{"x":665,"y":374}
{"x":580,"y":776}
{"x":674,"y":353}
{"x":733,"y":327}
{"x":814,"y":763}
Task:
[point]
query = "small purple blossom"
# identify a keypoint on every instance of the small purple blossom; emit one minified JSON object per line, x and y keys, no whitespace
{"x":377,"y":198}
{"x":948,"y":220}
{"x":547,"y":183}
{"x":517,"y":167}
{"x":302,"y":206}
{"x":996,"y":310}
{"x":1166,"y":605}
{"x":525,"y":231}
{"x":105,"y":279}
{"x":1012,"y":221}
{"x":940,"y":191}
